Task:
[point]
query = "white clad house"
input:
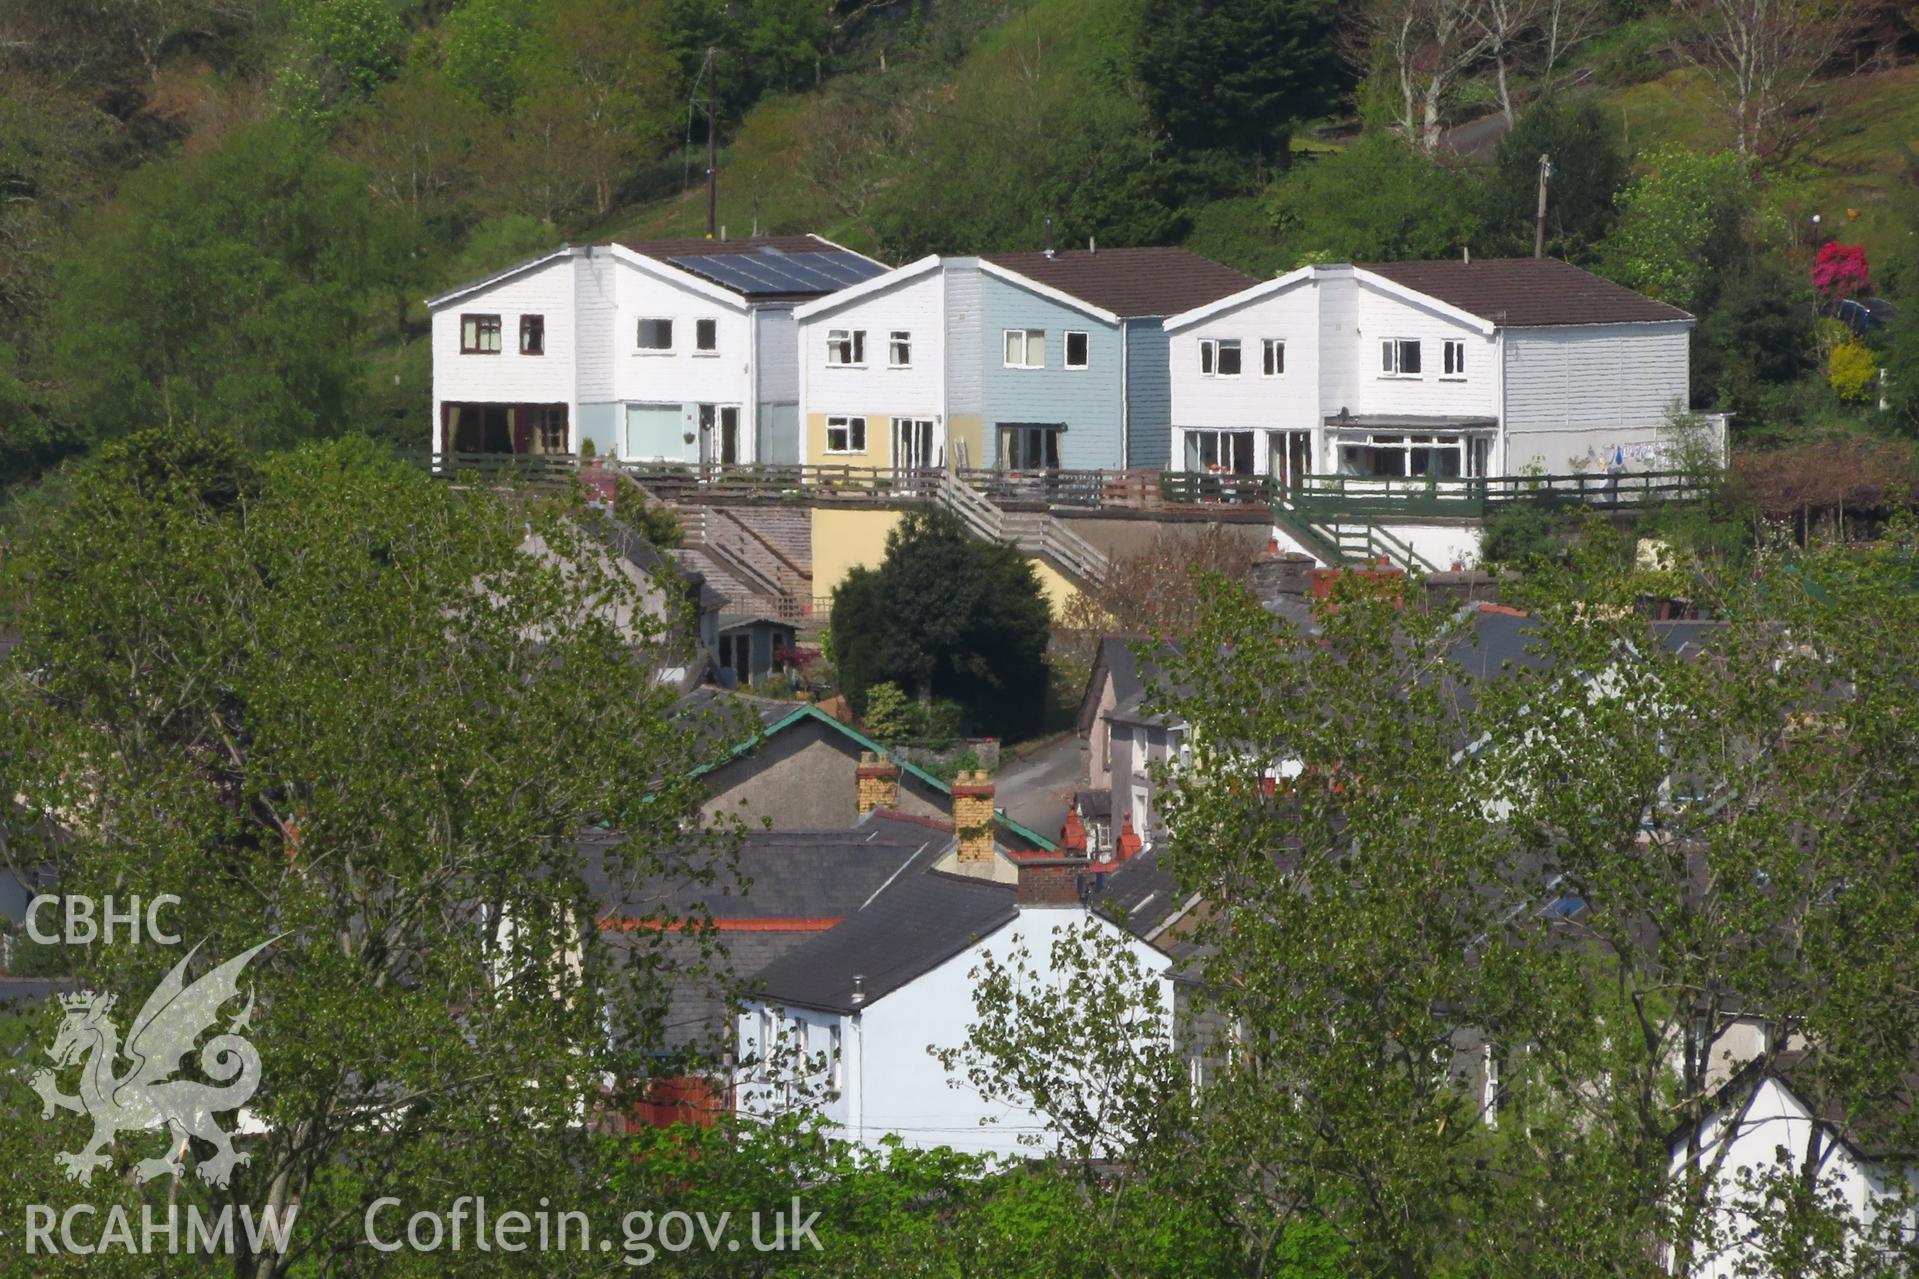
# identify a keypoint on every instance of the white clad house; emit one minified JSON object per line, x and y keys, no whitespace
{"x":1452,"y":369}
{"x":669,"y":350}
{"x":848,"y":1021}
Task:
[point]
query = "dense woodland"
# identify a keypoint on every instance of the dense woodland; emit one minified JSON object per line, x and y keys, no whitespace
{"x":227,"y":211}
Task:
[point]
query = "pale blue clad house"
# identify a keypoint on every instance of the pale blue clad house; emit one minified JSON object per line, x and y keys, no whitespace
{"x":1022,"y":361}
{"x":1101,"y":395}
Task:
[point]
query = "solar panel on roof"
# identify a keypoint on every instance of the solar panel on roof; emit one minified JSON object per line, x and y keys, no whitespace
{"x":772,"y":272}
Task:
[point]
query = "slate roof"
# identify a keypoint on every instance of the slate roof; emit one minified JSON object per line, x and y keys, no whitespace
{"x":1520,"y":292}
{"x":923,"y":919}
{"x":1130,"y":282}
{"x":788,"y":888}
{"x":1141,"y":894}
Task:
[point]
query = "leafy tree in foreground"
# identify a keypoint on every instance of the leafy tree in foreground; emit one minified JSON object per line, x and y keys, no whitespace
{"x":1488,"y":944}
{"x":949,"y":615}
{"x":326,"y":701}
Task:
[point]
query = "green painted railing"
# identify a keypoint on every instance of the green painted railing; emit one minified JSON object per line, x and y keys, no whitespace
{"x":1470,"y":498}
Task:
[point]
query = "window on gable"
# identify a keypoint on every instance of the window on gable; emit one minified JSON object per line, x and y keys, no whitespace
{"x":706,"y":335}
{"x":846,"y":346}
{"x":1273,"y":357}
{"x":479,"y":335}
{"x":1455,"y":358}
{"x":1219,"y":357}
{"x":533,"y":335}
{"x":1078,"y":349}
{"x":899,"y":349}
{"x":656,"y":335}
{"x":846,"y":435}
{"x":1399,"y":357}
{"x":1025,"y":348}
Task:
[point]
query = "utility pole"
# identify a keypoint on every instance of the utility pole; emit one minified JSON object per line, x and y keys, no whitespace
{"x":712,"y":150}
{"x":1539,"y":220}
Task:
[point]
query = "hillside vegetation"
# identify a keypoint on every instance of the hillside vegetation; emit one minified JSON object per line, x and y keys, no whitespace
{"x":228,"y":211}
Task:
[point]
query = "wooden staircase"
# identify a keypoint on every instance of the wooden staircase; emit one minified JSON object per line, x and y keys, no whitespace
{"x":1038,"y":535}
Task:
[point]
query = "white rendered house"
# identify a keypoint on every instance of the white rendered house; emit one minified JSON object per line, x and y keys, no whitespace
{"x":672,"y":350}
{"x":846,"y":1022}
{"x":1762,"y":1128}
{"x":1446,"y":369}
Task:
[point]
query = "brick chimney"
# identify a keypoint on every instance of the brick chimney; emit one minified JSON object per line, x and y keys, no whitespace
{"x":973,"y":817}
{"x":1128,"y":842}
{"x":879,"y":783}
{"x":1072,"y":836}
{"x":1049,"y":881}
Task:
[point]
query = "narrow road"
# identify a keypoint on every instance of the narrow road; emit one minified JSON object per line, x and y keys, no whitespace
{"x":1036,"y":790}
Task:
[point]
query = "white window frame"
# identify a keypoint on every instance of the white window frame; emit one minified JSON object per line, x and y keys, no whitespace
{"x":1026,"y":348}
{"x":1139,"y":750}
{"x":707,"y":351}
{"x":1395,"y":365}
{"x":1272,"y":357}
{"x":1066,"y":350}
{"x":1209,"y":353}
{"x":1453,"y":361}
{"x":854,"y":342}
{"x":845,"y":422}
{"x":672,"y":334}
{"x":899,"y":342}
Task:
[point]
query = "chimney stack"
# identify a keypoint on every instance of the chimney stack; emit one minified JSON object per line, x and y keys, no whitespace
{"x":1128,"y":843}
{"x":1276,"y":572}
{"x":1049,"y":881}
{"x":879,"y":783}
{"x":973,"y":817}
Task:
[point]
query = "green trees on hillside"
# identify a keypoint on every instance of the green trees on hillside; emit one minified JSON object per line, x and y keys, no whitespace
{"x":1232,"y":78}
{"x":229,"y":289}
{"x":1588,"y":171}
{"x":1376,"y":200}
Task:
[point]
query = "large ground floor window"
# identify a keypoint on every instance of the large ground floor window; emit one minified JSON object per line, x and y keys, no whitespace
{"x":1221,"y":452}
{"x":504,"y":428}
{"x":1029,"y":446}
{"x":1393,"y":456}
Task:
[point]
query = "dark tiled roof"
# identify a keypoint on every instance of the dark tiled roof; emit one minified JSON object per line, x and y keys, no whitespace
{"x":1130,"y":282}
{"x":1526,"y":291}
{"x":923,"y":919}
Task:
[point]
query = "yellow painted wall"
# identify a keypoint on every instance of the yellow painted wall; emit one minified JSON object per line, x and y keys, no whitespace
{"x":844,"y":540}
{"x":1053,"y":582}
{"x":970,"y":431}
